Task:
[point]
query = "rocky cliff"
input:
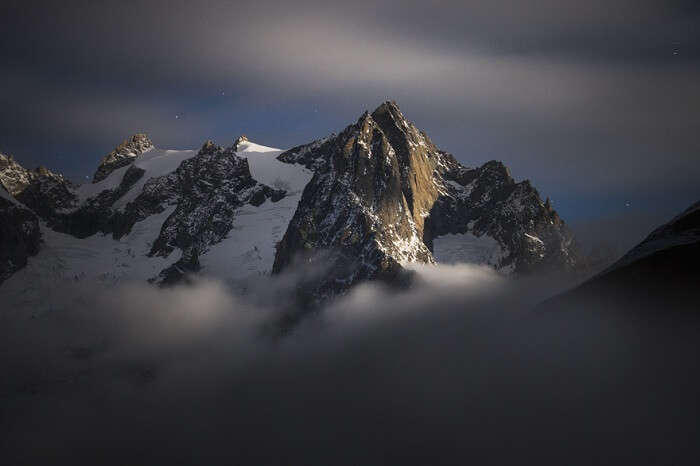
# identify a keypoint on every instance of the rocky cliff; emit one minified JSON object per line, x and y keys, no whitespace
{"x":124,"y":154}
{"x":383,"y":193}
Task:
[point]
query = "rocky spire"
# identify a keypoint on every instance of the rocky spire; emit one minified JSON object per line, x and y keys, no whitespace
{"x":382,"y":191}
{"x":124,"y":154}
{"x":417,"y":156}
{"x":355,"y":206}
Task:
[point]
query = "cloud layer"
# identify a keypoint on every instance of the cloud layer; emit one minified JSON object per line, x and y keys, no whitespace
{"x":456,"y":369}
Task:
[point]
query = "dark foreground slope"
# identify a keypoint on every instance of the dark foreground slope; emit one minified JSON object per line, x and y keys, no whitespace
{"x":660,"y":274}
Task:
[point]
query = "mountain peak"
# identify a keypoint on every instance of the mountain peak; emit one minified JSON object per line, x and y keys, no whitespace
{"x":122,"y":155}
{"x":388,"y":106}
{"x":385,"y":195}
{"x":208,"y":147}
{"x":241,"y":139}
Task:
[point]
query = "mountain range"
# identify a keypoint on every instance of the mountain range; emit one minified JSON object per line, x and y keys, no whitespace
{"x":362,"y":204}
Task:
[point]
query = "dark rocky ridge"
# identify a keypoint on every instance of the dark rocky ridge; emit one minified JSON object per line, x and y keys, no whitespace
{"x":488,"y":201}
{"x":382,"y":191}
{"x":205,"y":191}
{"x":20,"y":235}
{"x":658,"y":278}
{"x":96,"y":214}
{"x":124,"y":154}
{"x":42,"y":190}
{"x":682,"y":230}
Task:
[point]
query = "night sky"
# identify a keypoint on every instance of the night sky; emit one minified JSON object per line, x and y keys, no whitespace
{"x":597,"y":102}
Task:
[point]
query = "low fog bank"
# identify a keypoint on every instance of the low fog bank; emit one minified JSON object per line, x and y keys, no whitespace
{"x":458,"y":368}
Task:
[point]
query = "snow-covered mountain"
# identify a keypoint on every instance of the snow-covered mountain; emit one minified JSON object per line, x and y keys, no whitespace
{"x":371,"y":199}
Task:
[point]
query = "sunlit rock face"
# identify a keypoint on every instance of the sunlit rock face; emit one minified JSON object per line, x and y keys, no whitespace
{"x":356,"y":206}
{"x":383,"y":192}
{"x":122,"y":155}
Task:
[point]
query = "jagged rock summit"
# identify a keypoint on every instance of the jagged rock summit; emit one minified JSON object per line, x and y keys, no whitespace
{"x":383,"y":196}
{"x":359,"y":206}
{"x":122,"y":155}
{"x":241,"y":139}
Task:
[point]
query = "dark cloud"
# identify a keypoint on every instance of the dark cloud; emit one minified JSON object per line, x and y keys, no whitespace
{"x":456,"y":369}
{"x":580,"y":97}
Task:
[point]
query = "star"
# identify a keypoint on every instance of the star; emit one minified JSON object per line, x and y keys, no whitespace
{"x":177,"y":117}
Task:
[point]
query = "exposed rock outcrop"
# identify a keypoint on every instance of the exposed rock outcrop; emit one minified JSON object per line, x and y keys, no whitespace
{"x":42,"y":190}
{"x":488,"y":201}
{"x":382,"y":192}
{"x":96,"y":214}
{"x":241,"y":139}
{"x":124,"y":154}
{"x":20,"y":235}
{"x":359,"y":205}
{"x":205,"y":192}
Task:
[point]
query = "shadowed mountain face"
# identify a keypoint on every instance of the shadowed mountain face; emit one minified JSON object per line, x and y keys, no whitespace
{"x":41,"y":190}
{"x":20,"y":235}
{"x":382,"y":194}
{"x":659,"y":274}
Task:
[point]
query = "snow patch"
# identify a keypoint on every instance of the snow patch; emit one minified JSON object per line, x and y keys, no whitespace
{"x":534,"y":238}
{"x":265,"y":168}
{"x":249,"y":248}
{"x":466,"y":248}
